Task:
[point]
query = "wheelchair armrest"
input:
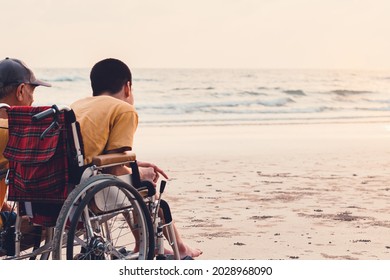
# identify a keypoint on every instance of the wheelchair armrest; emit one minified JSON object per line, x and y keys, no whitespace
{"x":114,"y":158}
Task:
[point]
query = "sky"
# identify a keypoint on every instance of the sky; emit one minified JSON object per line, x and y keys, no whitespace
{"x":314,"y":34}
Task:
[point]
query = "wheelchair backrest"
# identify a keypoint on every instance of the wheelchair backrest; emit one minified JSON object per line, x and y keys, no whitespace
{"x":43,"y":163}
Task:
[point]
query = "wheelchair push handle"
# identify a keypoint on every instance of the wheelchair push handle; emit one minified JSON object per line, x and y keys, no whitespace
{"x":44,"y":114}
{"x":53,"y":111}
{"x":50,"y":112}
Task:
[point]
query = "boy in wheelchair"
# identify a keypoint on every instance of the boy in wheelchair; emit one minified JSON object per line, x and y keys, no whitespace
{"x":108,"y":121}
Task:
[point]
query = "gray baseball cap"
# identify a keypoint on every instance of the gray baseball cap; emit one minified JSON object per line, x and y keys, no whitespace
{"x":14,"y":71}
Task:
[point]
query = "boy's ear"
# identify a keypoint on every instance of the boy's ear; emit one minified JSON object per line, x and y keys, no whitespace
{"x":127,"y":89}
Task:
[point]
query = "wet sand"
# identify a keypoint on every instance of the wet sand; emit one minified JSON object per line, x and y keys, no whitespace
{"x":297,"y":191}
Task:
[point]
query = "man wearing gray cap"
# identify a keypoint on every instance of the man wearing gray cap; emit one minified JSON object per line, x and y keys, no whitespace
{"x":17,"y":85}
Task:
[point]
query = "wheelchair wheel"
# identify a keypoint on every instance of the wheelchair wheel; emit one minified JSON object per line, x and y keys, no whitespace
{"x":104,"y":218}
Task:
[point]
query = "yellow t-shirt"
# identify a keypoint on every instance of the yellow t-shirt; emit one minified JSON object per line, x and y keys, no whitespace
{"x":106,"y":123}
{"x":3,"y":161}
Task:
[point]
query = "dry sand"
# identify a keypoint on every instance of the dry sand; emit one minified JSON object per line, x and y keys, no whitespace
{"x":301,"y":191}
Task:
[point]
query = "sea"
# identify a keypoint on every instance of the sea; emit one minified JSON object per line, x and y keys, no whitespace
{"x":183,"y":97}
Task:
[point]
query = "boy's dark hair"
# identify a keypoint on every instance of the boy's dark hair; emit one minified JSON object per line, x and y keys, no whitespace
{"x":109,"y":75}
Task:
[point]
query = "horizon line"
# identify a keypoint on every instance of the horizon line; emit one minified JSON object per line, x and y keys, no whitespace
{"x":227,"y":68}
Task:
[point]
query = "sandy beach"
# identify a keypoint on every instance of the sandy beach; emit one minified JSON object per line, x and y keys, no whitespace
{"x":296,"y":191}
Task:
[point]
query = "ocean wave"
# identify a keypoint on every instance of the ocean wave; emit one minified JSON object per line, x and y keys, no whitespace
{"x":346,"y":92}
{"x":168,"y":94}
{"x":284,"y":111}
{"x":297,"y":92}
{"x":252,"y":93}
{"x":279,"y":102}
{"x":65,"y":79}
{"x":144,"y":80}
{"x":376,"y":109}
{"x":380,"y":101}
{"x":237,"y":107}
{"x":193,"y":88}
{"x":259,"y":120}
{"x":225,"y":113}
{"x":307,"y":110}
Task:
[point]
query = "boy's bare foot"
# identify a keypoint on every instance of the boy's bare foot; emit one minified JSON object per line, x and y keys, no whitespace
{"x":185,"y":250}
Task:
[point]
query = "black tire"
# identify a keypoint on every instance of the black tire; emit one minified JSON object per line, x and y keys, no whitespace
{"x":86,"y":231}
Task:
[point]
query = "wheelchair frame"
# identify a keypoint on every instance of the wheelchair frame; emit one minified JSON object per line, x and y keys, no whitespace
{"x":104,"y":214}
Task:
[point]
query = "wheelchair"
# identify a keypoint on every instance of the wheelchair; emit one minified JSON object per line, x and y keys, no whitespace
{"x":79,"y":211}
